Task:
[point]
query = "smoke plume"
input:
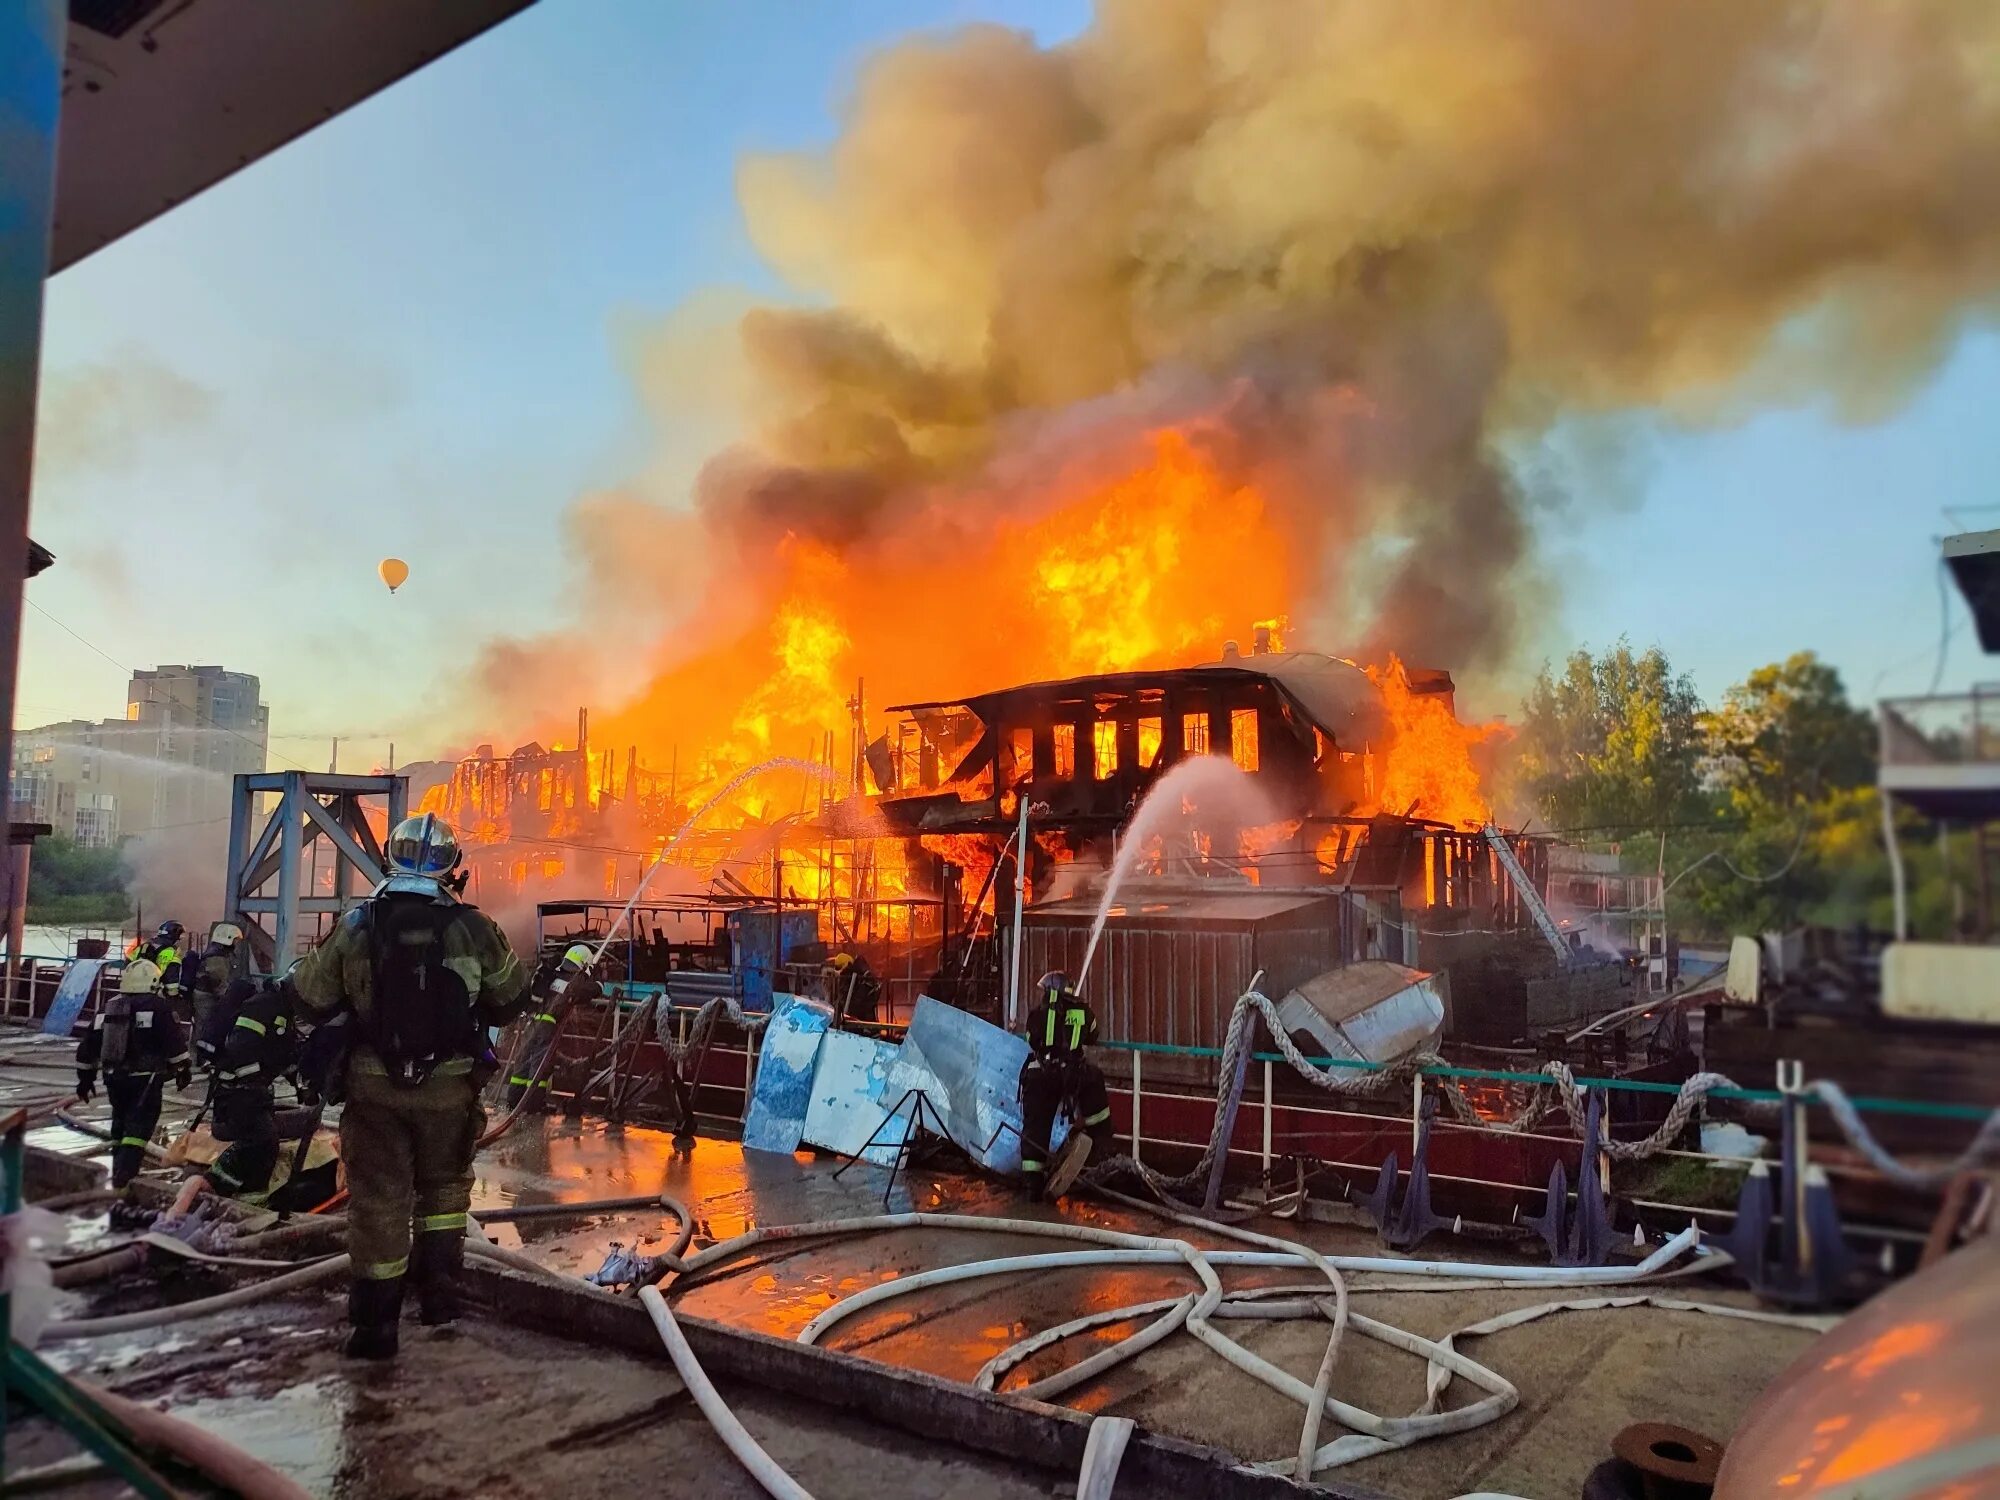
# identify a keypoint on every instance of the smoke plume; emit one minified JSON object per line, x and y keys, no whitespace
{"x":1348,"y":250}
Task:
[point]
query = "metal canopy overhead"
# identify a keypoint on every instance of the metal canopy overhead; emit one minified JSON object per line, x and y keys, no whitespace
{"x":163,"y":98}
{"x":1974,"y":560}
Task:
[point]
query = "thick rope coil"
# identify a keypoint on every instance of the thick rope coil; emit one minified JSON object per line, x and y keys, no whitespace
{"x":1984,"y":1150}
{"x":704,"y":1022}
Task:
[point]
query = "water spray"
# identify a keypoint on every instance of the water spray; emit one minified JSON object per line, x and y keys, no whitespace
{"x":1204,"y":776}
{"x":776,"y":763}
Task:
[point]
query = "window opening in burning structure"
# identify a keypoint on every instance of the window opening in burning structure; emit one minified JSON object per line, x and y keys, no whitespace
{"x":1020,"y":756}
{"x":1104,"y":749}
{"x":1065,"y":757}
{"x":1194,"y":733}
{"x":1149,"y":742}
{"x":1243,"y":738}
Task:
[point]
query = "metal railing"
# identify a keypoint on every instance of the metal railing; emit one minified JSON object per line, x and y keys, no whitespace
{"x":1927,"y":1108}
{"x":1954,"y":729}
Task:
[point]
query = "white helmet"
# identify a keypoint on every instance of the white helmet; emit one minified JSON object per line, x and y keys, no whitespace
{"x":423,"y":845}
{"x":225,"y":934}
{"x":141,"y":977}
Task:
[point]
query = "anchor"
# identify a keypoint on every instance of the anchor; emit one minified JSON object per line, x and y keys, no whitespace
{"x":1405,"y":1226}
{"x":1813,"y":1260}
{"x":1582,"y":1238}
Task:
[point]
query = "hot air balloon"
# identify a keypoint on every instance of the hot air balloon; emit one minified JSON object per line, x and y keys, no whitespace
{"x":395,"y":572}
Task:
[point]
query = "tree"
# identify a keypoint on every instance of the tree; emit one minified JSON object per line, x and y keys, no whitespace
{"x":1785,"y":736}
{"x":1762,"y":812}
{"x":1791,"y":763}
{"x":70,"y":883}
{"x":1613,"y":745}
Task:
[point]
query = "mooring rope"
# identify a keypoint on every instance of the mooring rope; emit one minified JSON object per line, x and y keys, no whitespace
{"x":1983,"y":1151}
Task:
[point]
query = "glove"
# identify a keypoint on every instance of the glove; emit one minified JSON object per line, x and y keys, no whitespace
{"x":184,"y":1075}
{"x":86,"y":1085}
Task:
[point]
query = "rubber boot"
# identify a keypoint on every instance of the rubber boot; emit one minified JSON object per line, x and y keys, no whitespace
{"x":373,"y":1306}
{"x":435,"y":1263}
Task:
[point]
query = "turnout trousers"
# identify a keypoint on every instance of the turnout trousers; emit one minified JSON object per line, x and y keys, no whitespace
{"x":135,"y":1112}
{"x":408,"y":1152}
{"x":1046,"y":1086}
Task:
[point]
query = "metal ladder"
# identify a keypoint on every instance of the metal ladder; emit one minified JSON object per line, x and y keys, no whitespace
{"x":1530,"y":898}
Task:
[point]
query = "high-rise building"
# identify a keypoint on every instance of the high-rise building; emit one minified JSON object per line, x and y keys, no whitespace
{"x":200,"y":726}
{"x":169,"y":763}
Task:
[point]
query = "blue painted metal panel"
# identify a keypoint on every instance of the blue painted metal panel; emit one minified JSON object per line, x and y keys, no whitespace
{"x":850,"y":1099}
{"x":777,"y":1117}
{"x":970,"y":1071}
{"x":77,"y":982}
{"x":763,"y":939}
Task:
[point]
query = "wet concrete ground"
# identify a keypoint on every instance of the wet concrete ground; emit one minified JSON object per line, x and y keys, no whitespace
{"x":500,"y":1411}
{"x":493,"y":1411}
{"x":1582,"y":1375}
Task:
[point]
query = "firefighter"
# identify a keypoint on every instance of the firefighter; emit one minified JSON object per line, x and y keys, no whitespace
{"x":138,"y":1042}
{"x":259,"y":1044}
{"x":213,"y":974}
{"x":1058,"y":1076}
{"x":260,"y":1047}
{"x":556,"y":988}
{"x":422,"y":975}
{"x":851,"y":988}
{"x":165,"y":949}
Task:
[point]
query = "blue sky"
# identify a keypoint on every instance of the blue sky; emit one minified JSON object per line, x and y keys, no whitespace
{"x":405,"y":334}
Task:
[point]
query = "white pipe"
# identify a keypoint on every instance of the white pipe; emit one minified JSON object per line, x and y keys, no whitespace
{"x":1055,"y":1260}
{"x":1057,"y":1229}
{"x":1175,"y":1317}
{"x":763,"y":1468}
{"x":1902,"y":902}
{"x":1020,"y":896}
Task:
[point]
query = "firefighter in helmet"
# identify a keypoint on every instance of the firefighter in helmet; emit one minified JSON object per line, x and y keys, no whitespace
{"x":1057,"y":1078}
{"x":420,"y":976}
{"x":851,"y":987}
{"x":557,"y":986}
{"x":138,"y":1043}
{"x":165,"y":949}
{"x":214,"y":972}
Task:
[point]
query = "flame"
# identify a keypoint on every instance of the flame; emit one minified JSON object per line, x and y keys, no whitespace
{"x":1428,"y":769}
{"x":1152,"y":567}
{"x":799,"y":649}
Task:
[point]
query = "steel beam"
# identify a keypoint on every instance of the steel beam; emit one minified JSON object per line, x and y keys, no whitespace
{"x":279,"y":922}
{"x":31,"y":42}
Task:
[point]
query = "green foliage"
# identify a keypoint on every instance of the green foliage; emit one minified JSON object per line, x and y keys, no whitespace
{"x":1785,"y":736}
{"x":69,"y":884}
{"x":1613,"y":743}
{"x":108,"y":910}
{"x":1766,"y":803}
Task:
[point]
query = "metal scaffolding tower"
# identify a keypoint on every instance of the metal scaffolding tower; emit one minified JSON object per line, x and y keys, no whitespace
{"x":311,"y":805}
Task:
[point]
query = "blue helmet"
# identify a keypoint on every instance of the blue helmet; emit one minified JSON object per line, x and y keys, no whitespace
{"x":423,"y":845}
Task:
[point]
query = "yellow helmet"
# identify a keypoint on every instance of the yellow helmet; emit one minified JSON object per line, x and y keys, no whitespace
{"x":141,"y":977}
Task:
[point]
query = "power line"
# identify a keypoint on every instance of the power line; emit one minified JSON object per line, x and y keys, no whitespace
{"x":265,"y":748}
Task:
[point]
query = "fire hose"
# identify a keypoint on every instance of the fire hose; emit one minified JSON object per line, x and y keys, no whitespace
{"x":1370,"y":1433}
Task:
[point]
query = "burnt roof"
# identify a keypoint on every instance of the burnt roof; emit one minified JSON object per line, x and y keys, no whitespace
{"x":1227,"y":905}
{"x":1334,"y":694}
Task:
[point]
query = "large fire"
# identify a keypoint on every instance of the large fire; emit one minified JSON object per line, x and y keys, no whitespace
{"x":1430,"y":770}
{"x":1153,"y":567}
{"x":796,"y":654}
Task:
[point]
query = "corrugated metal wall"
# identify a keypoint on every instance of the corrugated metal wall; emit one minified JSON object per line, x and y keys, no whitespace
{"x":1174,"y":982}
